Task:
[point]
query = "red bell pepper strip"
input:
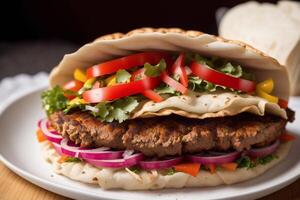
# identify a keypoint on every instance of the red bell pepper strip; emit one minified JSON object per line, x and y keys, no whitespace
{"x":147,"y":93}
{"x":283,"y":103}
{"x":189,"y":168}
{"x":126,"y":62}
{"x":220,"y":78}
{"x":120,"y":90}
{"x":285,"y":137}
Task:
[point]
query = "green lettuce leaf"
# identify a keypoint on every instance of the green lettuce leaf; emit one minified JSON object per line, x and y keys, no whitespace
{"x":54,"y":100}
{"x":118,"y":110}
{"x":73,"y":159}
{"x":155,"y":70}
{"x":122,"y":76}
{"x":247,"y":162}
{"x":165,"y":89}
{"x":198,"y":85}
{"x":228,"y":68}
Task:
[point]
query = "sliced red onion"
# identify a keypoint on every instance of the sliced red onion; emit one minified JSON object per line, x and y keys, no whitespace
{"x":39,"y":123}
{"x":214,"y":159}
{"x":118,"y":163}
{"x":264,"y":151}
{"x":160,"y":164}
{"x":57,"y":148}
{"x":52,"y":136}
{"x":100,"y":153}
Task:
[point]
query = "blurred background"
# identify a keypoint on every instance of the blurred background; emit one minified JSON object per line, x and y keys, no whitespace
{"x":36,"y":34}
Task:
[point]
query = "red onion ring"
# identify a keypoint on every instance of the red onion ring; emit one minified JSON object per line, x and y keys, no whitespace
{"x":160,"y":164}
{"x":52,"y":136}
{"x":264,"y":151}
{"x":118,"y":163}
{"x":85,"y":153}
{"x":219,"y":159}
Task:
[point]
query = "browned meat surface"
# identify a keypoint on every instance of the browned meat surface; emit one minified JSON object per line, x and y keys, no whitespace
{"x":171,"y":135}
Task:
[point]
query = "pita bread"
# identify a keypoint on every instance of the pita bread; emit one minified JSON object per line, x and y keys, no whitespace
{"x":148,"y":39}
{"x":254,"y":24}
{"x":149,"y":180}
{"x":206,"y":105}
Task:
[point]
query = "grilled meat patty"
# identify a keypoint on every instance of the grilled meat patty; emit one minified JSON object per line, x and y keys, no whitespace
{"x":171,"y":135}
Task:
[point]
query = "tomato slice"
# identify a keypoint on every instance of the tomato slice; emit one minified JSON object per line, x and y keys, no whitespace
{"x":172,"y":83}
{"x":220,"y":78}
{"x":126,"y":62}
{"x":138,"y":74}
{"x":148,"y":93}
{"x":283,"y":103}
{"x":120,"y":90}
{"x":73,"y":85}
{"x":178,"y":68}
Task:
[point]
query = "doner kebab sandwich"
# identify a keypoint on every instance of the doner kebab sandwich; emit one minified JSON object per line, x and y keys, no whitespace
{"x":165,"y":108}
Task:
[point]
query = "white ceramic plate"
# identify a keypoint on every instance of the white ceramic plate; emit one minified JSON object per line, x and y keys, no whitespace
{"x":20,"y":152}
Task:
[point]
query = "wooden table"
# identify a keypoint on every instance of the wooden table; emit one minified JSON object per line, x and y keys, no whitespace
{"x":14,"y":187}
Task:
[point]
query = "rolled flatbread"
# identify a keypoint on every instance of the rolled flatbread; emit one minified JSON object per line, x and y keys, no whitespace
{"x":201,"y":105}
{"x":273,"y":29}
{"x":149,"y":180}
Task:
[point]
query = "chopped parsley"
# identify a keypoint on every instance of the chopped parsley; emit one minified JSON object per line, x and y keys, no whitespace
{"x":54,"y":100}
{"x":135,"y":169}
{"x":170,"y":171}
{"x":155,"y":70}
{"x":72,"y":159}
{"x":247,"y":162}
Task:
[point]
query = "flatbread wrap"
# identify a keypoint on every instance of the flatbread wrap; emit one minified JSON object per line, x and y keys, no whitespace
{"x":165,"y":108}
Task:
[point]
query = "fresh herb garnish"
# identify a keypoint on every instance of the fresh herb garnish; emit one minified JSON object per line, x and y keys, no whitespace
{"x":117,"y":110}
{"x":171,"y":171}
{"x":233,"y":70}
{"x":247,"y":162}
{"x":135,"y":169}
{"x":72,"y":159}
{"x":155,"y":70}
{"x":122,"y":76}
{"x":54,"y":100}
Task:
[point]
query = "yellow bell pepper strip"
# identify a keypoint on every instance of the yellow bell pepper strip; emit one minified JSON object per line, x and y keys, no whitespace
{"x":89,"y":83}
{"x":266,"y":86}
{"x":77,"y":101}
{"x":188,"y":168}
{"x":267,"y":96}
{"x":79,"y":75}
{"x":264,"y":89}
{"x":110,"y":81}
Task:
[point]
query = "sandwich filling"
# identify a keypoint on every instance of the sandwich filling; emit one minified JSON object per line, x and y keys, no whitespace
{"x":96,"y":111}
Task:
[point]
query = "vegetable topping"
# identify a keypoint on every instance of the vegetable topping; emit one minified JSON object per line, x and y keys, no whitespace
{"x":150,"y":75}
